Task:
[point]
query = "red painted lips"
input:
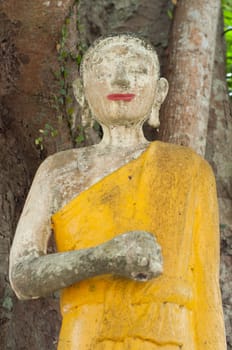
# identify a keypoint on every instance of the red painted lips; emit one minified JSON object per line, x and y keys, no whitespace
{"x":121,"y":97}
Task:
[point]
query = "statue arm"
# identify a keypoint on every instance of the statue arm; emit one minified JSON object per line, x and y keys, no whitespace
{"x":36,"y":276}
{"x":34,"y":273}
{"x":209,"y":323}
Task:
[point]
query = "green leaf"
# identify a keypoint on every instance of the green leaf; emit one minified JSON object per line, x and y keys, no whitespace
{"x":54,"y":133}
{"x":79,"y":59}
{"x":63,"y":92}
{"x":170,"y":14}
{"x":65,"y":73}
{"x":61,"y":100}
{"x":47,"y":126}
{"x":227,"y":12}
{"x":7,"y":303}
{"x":57,"y":75}
{"x":64,"y":32}
{"x":80,"y":138}
{"x":62,"y":83}
{"x":70,"y":111}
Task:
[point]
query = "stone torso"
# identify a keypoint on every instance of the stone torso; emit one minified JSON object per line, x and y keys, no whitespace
{"x":139,"y":196}
{"x":74,"y":171}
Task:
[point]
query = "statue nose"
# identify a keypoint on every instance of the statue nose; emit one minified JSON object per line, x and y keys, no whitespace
{"x":121,"y":79}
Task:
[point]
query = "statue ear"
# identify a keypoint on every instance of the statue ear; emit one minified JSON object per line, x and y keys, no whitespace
{"x":162,"y":90}
{"x":153,"y":119}
{"x":79,"y":91}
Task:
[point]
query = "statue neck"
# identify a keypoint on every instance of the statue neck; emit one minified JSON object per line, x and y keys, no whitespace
{"x":121,"y":136}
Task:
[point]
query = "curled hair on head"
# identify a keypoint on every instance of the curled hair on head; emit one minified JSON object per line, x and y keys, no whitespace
{"x":104,"y":40}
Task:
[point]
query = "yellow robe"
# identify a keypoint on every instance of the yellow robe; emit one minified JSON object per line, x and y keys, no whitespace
{"x":170,"y":192}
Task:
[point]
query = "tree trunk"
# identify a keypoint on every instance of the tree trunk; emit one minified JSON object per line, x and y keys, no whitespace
{"x":189,"y":72}
{"x":197,"y":112}
{"x":28,"y":37}
{"x":218,"y":153}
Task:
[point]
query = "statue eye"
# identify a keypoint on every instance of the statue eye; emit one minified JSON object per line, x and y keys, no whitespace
{"x":100,"y":75}
{"x":138,"y":70}
{"x":103,"y":75}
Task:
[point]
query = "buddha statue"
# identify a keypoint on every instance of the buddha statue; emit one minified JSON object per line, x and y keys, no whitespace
{"x":135,"y":223}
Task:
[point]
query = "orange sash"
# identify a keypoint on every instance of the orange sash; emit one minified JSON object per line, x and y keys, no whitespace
{"x":158,"y":193}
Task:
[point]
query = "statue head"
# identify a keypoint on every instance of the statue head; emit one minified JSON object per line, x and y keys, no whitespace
{"x":121,"y":81}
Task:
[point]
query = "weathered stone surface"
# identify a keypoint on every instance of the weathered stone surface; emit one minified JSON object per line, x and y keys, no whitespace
{"x":135,"y":255}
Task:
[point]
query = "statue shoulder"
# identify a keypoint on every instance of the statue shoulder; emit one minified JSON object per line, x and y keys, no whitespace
{"x":179,"y":156}
{"x":173,"y":151}
{"x":59,"y":162}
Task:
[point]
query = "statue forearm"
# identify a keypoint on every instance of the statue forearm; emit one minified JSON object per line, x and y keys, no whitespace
{"x":134,"y":255}
{"x":40,"y":276}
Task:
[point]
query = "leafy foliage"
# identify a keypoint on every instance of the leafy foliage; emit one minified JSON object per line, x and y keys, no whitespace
{"x":46,"y":132}
{"x":227,"y":12}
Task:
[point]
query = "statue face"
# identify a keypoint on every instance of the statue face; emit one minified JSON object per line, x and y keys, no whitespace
{"x":120,"y":81}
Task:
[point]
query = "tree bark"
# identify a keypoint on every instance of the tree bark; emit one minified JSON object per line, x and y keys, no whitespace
{"x":197,"y":112}
{"x":28,"y":36}
{"x":218,"y":153}
{"x":189,"y":72}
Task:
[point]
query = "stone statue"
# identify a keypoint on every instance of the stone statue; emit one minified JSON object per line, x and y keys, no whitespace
{"x":112,"y":206}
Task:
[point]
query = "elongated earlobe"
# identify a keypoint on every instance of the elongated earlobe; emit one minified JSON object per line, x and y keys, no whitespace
{"x":153,"y":119}
{"x":86,"y":115}
{"x":79,"y":91}
{"x":162,"y":90}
